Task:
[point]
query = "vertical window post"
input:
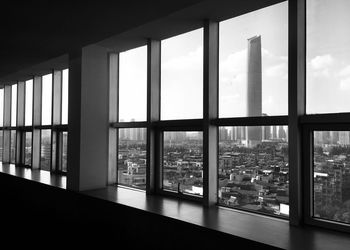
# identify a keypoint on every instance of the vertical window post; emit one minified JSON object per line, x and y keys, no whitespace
{"x":210,"y":110}
{"x":56,"y":116}
{"x":20,"y":121}
{"x":296,"y":104}
{"x":113,"y":116}
{"x":153,"y":111}
{"x":36,"y":137}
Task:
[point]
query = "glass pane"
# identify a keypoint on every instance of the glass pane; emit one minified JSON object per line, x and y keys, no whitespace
{"x":253,"y":169}
{"x":331,"y":170}
{"x":28,"y":149}
{"x":14,"y":105}
{"x":253,"y":63}
{"x":1,"y":107}
{"x":45,"y":150}
{"x":1,"y":144}
{"x":182,"y":76}
{"x":46,"y":99}
{"x":65,"y":75}
{"x":13,"y":147}
{"x":29,"y":103}
{"x":133,"y":85}
{"x":63,"y":154}
{"x":132,"y":157}
{"x":328,"y":56}
{"x":183,"y":162}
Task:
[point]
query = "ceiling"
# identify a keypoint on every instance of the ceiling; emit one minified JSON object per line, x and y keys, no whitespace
{"x":36,"y":31}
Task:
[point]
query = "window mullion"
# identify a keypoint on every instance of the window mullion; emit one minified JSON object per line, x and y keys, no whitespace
{"x":210,"y":111}
{"x":36,"y":137}
{"x":113,"y":116}
{"x":153,"y":114}
{"x":296,"y":104}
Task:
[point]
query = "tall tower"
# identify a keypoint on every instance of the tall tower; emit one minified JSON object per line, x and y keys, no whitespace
{"x":254,"y":88}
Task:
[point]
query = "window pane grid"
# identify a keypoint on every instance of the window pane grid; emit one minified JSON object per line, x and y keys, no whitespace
{"x":182,"y":162}
{"x":253,"y":172}
{"x":132,"y":157}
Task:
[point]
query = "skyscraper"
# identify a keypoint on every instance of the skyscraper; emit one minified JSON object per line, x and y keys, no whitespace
{"x":254,"y":88}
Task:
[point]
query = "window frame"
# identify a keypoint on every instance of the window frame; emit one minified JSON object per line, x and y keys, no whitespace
{"x":36,"y":127}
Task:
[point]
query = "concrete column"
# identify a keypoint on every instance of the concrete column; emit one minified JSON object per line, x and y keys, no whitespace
{"x":88,"y":119}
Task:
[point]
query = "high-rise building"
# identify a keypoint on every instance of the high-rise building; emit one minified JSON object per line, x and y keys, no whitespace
{"x":254,"y":88}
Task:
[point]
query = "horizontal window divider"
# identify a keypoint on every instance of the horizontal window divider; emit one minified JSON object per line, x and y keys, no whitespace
{"x":251,"y":121}
{"x":60,"y":127}
{"x":326,"y":126}
{"x":190,"y":125}
{"x":180,"y":195}
{"x":129,"y":124}
{"x":25,"y":128}
{"x":59,"y":172}
{"x":43,"y":127}
{"x":9,"y":128}
{"x":325,"y":118}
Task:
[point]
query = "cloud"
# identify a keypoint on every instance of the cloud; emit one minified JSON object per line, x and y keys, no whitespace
{"x":345,"y":71}
{"x":345,"y":84}
{"x":321,"y":62}
{"x":191,"y":61}
{"x":279,"y":70}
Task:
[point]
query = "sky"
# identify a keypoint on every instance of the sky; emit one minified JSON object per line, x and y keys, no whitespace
{"x":328,"y":56}
{"x":182,"y":69}
{"x":328,"y":67}
{"x":271,"y":23}
{"x":46,"y":101}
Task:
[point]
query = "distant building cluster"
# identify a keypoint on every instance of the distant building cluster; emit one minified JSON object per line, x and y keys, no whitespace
{"x":132,"y":134}
{"x":254,"y":178}
{"x":183,"y":164}
{"x":331,"y":176}
{"x":332,"y":137}
{"x":239,"y":133}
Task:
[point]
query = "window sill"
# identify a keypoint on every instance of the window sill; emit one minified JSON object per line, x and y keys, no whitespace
{"x":262,"y":229}
{"x":36,"y":175}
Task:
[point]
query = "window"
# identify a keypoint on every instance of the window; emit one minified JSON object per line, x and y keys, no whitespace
{"x":133,"y":85}
{"x":65,"y":79}
{"x":182,"y":76}
{"x":1,"y":107}
{"x":253,"y":63}
{"x":183,"y":162}
{"x":28,"y":102}
{"x":253,"y":168}
{"x":331,"y":175}
{"x":132,"y":156}
{"x":328,"y":53}
{"x":1,"y":144}
{"x":253,"y":164}
{"x":28,"y":149}
{"x":13,"y":147}
{"x":63,"y":151}
{"x":13,"y":105}
{"x":326,"y":125}
{"x":46,"y":99}
{"x":45,"y":150}
{"x":1,"y":122}
{"x":38,"y":118}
